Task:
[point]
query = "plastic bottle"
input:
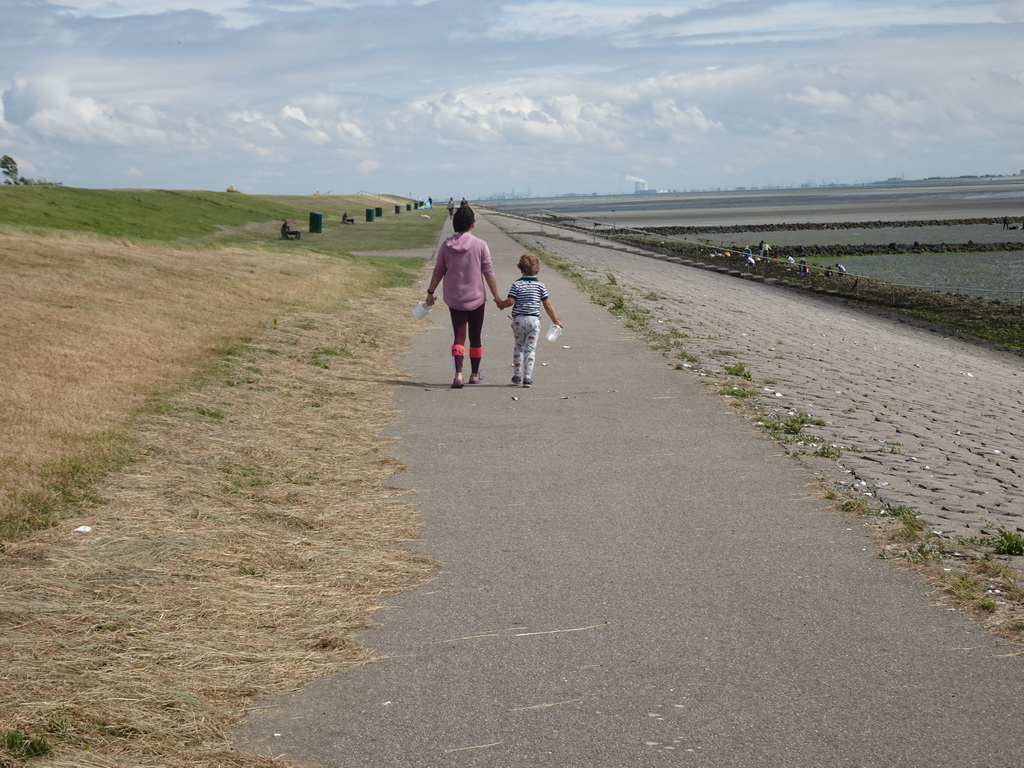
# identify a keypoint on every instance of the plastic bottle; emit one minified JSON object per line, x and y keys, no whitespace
{"x":554,"y":332}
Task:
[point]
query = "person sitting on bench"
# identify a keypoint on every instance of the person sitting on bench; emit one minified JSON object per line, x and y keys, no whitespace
{"x":346,"y":219}
{"x":287,"y":232}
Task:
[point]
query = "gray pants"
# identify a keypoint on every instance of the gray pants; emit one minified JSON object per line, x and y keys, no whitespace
{"x":526,"y":329}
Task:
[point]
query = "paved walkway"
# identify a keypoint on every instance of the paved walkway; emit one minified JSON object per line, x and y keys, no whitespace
{"x":921,"y":418}
{"x":634,"y":577}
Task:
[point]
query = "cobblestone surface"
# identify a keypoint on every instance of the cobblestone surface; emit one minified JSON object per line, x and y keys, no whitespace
{"x":919,"y":417}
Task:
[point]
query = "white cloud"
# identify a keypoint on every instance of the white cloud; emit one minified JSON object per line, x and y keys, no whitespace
{"x":295,"y":95}
{"x":828,"y":102}
{"x":557,"y":19}
{"x":46,"y":106}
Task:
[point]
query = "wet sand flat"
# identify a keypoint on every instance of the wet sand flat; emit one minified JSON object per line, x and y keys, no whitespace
{"x":920,"y":201}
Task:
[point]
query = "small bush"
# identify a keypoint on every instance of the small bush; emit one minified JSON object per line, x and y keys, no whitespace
{"x":1007,"y":542}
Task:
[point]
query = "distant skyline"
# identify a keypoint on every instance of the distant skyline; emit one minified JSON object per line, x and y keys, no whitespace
{"x":476,"y":98}
{"x":897,"y":181}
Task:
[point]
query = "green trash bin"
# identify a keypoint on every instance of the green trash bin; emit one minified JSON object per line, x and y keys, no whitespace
{"x":369,"y":214}
{"x":316,"y":223}
{"x":398,"y":209}
{"x":379,"y":212}
{"x":408,"y":206}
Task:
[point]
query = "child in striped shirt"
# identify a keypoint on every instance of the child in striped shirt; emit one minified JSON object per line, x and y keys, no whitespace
{"x":526,"y":296}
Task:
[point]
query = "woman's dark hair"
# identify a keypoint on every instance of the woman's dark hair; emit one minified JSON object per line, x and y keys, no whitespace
{"x":464,"y":219}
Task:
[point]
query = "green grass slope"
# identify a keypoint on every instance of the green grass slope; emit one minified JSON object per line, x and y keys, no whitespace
{"x":220,"y":218}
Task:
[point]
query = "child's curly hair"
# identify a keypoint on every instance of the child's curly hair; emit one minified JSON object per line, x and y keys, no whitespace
{"x":529,"y":264}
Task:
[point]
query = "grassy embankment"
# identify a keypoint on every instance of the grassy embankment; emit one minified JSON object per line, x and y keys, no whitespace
{"x":205,"y":398}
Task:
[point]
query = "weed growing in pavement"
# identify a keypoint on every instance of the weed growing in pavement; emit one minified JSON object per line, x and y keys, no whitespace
{"x":740,"y":370}
{"x":733,"y":390}
{"x":970,"y":590}
{"x":1006,"y":542}
{"x":966,"y":570}
{"x":828,"y":451}
{"x":911,"y":526}
{"x":856,"y":507}
{"x":921,"y":552}
{"x":786,"y":430}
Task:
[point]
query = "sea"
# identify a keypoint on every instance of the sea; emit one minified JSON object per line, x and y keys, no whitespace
{"x":889,"y":201}
{"x":890,"y":212}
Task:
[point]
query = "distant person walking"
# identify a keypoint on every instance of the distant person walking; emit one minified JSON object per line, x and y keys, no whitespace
{"x":526,"y":297}
{"x":464,"y":264}
{"x":451,"y":207}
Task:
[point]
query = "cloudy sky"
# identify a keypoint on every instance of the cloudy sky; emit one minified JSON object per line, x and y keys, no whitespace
{"x":479,"y":97}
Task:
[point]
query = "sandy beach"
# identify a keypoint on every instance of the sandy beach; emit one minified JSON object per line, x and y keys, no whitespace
{"x":919,"y":417}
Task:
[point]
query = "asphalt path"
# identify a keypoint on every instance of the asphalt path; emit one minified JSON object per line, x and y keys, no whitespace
{"x":634,"y":576}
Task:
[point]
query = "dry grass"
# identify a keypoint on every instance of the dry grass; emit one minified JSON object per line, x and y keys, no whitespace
{"x":235,"y":556}
{"x":91,"y":328}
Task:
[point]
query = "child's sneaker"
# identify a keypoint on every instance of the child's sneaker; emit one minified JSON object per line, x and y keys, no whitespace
{"x":516,"y":380}
{"x":527,"y":382}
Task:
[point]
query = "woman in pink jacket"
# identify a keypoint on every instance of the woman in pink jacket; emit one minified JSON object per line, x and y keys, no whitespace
{"x":464,"y":263}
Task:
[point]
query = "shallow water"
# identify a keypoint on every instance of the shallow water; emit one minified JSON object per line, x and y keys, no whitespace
{"x":946,"y":199}
{"x":989,"y":275}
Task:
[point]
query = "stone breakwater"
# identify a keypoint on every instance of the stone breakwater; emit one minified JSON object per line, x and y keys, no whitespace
{"x":915,"y":416}
{"x":854,"y":238}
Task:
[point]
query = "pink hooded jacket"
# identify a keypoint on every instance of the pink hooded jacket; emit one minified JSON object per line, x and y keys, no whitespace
{"x":463,"y":260}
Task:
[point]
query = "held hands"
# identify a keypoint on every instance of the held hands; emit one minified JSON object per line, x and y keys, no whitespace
{"x":430,"y":299}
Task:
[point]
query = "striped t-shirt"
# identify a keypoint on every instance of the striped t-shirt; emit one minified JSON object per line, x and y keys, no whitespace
{"x":528,"y":292}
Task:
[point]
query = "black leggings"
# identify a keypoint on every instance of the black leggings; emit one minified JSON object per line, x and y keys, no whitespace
{"x":471,"y":320}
